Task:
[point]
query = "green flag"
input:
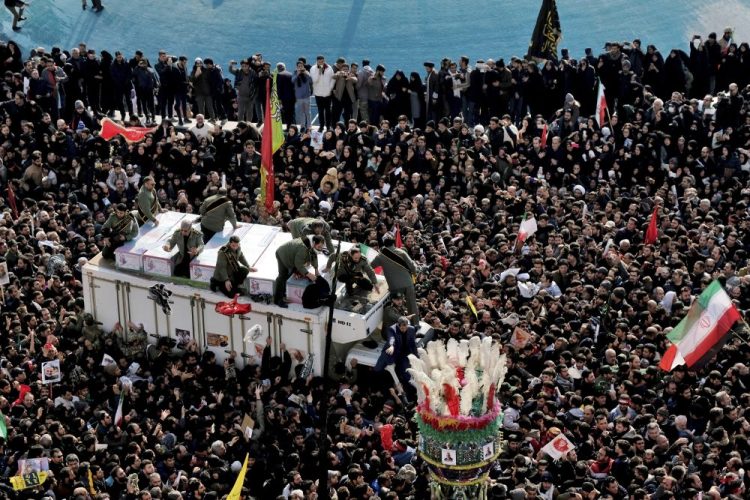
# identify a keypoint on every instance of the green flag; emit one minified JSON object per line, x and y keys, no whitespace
{"x":3,"y":429}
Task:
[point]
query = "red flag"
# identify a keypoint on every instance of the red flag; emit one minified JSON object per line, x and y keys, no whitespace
{"x":652,"y":232}
{"x":601,"y":106}
{"x":266,"y":154}
{"x":544,"y":136}
{"x":12,"y":200}
{"x":111,"y":129}
{"x":399,"y":243}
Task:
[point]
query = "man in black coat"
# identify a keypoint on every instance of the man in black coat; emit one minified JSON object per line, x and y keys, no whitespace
{"x":285,"y":90}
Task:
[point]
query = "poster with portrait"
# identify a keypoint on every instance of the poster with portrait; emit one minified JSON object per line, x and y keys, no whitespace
{"x":217,"y":340}
{"x":183,"y":337}
{"x":4,"y":276}
{"x":32,"y":472}
{"x":448,"y":456}
{"x":51,"y":372}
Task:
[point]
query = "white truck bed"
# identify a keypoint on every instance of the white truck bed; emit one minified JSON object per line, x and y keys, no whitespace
{"x":119,"y":295}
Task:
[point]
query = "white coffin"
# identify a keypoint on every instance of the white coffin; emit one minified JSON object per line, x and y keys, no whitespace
{"x":130,"y":255}
{"x":202,"y":267}
{"x":158,"y":262}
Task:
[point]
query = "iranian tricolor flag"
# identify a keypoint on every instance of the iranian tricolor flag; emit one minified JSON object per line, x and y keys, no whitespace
{"x":369,"y":254}
{"x":703,"y":331}
{"x":527,"y":228}
{"x":601,"y":106}
{"x":118,"y":413}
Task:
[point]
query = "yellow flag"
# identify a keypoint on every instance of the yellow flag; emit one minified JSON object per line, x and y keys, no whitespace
{"x":471,"y":305}
{"x":237,"y":488}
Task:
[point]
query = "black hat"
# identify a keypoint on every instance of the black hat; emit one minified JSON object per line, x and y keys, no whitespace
{"x":430,"y":124}
{"x":429,"y":64}
{"x":380,"y":67}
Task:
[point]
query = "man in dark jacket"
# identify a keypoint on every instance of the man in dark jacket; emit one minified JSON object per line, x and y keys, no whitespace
{"x":401,"y":341}
{"x":146,"y":81}
{"x":165,"y":69}
{"x":246,"y":85}
{"x":92,"y":77}
{"x":122,"y":84}
{"x":216,"y":85}
{"x":285,"y":90}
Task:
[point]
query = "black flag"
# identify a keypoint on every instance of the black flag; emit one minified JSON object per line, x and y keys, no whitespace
{"x":547,"y":33}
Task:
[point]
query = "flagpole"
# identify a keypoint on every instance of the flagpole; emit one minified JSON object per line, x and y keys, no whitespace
{"x":323,"y":492}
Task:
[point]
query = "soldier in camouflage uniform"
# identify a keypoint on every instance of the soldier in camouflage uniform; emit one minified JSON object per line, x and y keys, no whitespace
{"x":91,"y":331}
{"x":189,"y":242}
{"x":394,"y":310}
{"x":353,"y":270}
{"x":120,"y":227}
{"x":231,"y":269}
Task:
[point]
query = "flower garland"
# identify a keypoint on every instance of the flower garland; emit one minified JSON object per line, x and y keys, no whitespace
{"x":470,"y":434}
{"x":460,"y":423}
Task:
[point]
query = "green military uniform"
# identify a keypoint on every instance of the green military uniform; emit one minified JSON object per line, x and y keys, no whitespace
{"x":135,"y":345}
{"x":194,"y":239}
{"x":302,"y":226}
{"x":148,"y":205}
{"x":399,"y":271}
{"x":215,"y":211}
{"x":293,"y":256}
{"x":91,"y":331}
{"x":392,"y":312}
{"x":231,"y":265}
{"x":121,"y":229}
{"x":353,"y":273}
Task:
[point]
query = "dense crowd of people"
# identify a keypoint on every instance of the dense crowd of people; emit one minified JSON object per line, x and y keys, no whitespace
{"x":455,"y":157}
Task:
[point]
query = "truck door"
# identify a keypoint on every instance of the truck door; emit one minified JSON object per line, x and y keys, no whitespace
{"x":104,"y":298}
{"x":304,"y":335}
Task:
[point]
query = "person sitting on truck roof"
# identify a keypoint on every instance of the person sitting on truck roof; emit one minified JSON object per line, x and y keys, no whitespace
{"x":353,"y":270}
{"x":120,"y":227}
{"x":147,"y":202}
{"x":306,"y":226}
{"x":189,"y":243}
{"x":296,"y":257}
{"x":215,"y":211}
{"x":231,"y":269}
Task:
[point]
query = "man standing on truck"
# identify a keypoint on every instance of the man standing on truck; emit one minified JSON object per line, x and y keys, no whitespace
{"x":119,"y":228}
{"x":299,"y":256}
{"x":189,"y":242}
{"x":231,"y":269}
{"x":400,"y":271}
{"x":215,"y":211}
{"x":353,"y":270}
{"x":301,"y":227}
{"x":147,"y":202}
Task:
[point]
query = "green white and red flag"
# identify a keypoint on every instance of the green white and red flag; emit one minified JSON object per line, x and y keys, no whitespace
{"x":703,"y":331}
